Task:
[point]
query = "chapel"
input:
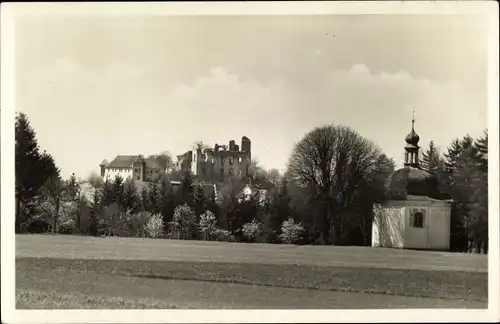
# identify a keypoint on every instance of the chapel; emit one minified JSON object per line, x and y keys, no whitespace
{"x":416,"y":215}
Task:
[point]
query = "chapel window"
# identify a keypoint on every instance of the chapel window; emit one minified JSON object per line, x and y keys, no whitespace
{"x":418,"y":220}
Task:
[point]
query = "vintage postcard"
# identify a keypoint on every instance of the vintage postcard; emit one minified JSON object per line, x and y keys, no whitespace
{"x":249,"y":162}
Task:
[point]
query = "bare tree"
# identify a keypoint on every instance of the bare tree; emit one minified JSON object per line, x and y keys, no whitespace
{"x":53,"y":190}
{"x":199,"y":145}
{"x":255,"y":170}
{"x":274,"y":176}
{"x":96,"y":182}
{"x":330,"y":162}
{"x":164,"y":161}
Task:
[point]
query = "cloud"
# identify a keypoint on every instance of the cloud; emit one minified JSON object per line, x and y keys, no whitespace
{"x":318,"y":52}
{"x":131,"y":109}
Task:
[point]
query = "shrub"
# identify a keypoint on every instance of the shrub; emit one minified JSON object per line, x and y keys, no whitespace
{"x":183,"y":224}
{"x":113,"y":220}
{"x":252,"y":230}
{"x":223,"y":235}
{"x":208,"y":225}
{"x":67,"y":217}
{"x":291,"y":232}
{"x":270,"y":236}
{"x":85,"y":218}
{"x":139,"y":223}
{"x":154,"y":226}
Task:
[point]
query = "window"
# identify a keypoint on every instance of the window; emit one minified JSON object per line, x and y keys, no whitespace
{"x":230,"y":172}
{"x":418,"y":220}
{"x":138,"y":170}
{"x":231,"y":161}
{"x":239,"y":159}
{"x":137,"y":177}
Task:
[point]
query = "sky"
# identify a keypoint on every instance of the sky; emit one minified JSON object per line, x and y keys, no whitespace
{"x":96,"y":87}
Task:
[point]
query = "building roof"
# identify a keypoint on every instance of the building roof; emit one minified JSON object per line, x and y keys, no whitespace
{"x":122,"y":162}
{"x":127,"y":162}
{"x":260,"y":183}
{"x":412,"y":180}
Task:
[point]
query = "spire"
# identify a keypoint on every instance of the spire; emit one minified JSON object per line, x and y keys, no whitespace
{"x":413,"y":121}
{"x":412,"y":139}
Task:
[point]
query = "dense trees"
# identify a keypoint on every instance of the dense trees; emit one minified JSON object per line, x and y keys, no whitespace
{"x":464,"y":177}
{"x":32,"y":169}
{"x":326,"y":196}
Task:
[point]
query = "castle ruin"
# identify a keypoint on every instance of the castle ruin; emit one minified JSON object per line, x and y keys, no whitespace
{"x":218,"y":163}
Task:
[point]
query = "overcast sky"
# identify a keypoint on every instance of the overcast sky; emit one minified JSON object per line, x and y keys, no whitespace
{"x":95,"y":88}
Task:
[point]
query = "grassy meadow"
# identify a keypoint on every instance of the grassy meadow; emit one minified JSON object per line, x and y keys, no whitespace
{"x":86,"y":272}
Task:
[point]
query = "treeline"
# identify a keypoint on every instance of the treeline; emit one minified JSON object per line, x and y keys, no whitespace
{"x":326,"y":196}
{"x":462,"y":170}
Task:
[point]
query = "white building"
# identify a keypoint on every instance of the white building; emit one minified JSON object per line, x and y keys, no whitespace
{"x":255,"y":187}
{"x":416,"y":216}
{"x":135,"y":167}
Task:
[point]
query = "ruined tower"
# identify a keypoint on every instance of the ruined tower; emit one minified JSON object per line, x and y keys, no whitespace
{"x":246,"y":146}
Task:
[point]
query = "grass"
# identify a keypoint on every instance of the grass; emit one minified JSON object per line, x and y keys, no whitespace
{"x":170,"y":273}
{"x":33,"y":299}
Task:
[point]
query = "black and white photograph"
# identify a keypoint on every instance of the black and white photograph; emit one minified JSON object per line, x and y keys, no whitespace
{"x":314,"y":161}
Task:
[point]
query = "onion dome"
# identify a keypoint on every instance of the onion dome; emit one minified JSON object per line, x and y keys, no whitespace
{"x":412,"y":180}
{"x":412,"y":138}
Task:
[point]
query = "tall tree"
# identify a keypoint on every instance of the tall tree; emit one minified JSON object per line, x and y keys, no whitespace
{"x":72,"y":188}
{"x":331,"y":161}
{"x":187,"y":189}
{"x":32,"y":168}
{"x":168,"y":199}
{"x":54,"y":190}
{"x":478,"y":213}
{"x":97,"y":184}
{"x":100,"y":190}
{"x":228,"y":200}
{"x":281,"y":206}
{"x":130,"y":202}
{"x":73,"y":195}
{"x":153,"y":198}
{"x":118,"y":188}
{"x":456,"y":148}
{"x":255,"y":170}
{"x":274,"y":176}
{"x":200,"y":200}
{"x":107,"y":193}
{"x":430,"y":158}
{"x":481,"y":146}
{"x":370,"y":191}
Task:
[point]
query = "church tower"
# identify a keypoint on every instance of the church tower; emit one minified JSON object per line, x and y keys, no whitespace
{"x":415,"y":214}
{"x":412,"y":148}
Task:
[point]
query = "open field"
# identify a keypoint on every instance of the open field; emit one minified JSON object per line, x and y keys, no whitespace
{"x":82,"y":272}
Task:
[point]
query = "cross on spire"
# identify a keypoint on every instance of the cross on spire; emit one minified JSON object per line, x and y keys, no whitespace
{"x":413,"y":120}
